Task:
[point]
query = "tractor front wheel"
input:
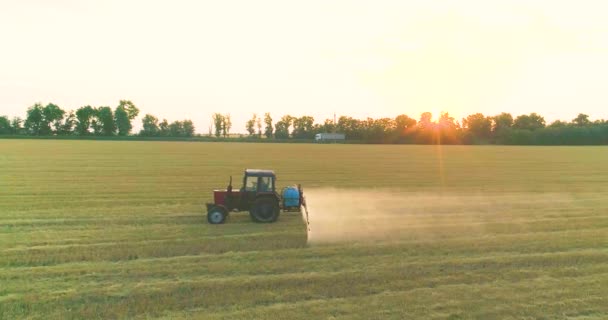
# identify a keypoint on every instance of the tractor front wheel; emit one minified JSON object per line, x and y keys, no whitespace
{"x":265,"y":210}
{"x":216,"y":215}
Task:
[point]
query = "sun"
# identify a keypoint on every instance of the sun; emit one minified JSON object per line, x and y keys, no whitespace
{"x":436,"y":113}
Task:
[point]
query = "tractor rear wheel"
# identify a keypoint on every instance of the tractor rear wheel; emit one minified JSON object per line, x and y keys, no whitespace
{"x":216,"y":215}
{"x":265,"y":210}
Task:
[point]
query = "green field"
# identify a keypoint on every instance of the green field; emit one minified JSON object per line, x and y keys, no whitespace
{"x":111,"y":229}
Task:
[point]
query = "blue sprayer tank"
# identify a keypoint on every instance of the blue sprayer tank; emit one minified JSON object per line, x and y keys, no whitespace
{"x":291,"y":197}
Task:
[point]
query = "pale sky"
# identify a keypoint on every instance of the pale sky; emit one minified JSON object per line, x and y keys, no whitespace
{"x":187,"y":59}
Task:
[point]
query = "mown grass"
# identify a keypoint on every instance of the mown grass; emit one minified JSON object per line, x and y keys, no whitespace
{"x":114,"y":229}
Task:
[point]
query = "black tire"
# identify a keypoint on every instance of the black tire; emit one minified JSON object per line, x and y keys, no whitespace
{"x":216,"y":215}
{"x":265,"y":210}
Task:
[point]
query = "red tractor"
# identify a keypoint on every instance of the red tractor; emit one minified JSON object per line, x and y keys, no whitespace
{"x":258,"y":195}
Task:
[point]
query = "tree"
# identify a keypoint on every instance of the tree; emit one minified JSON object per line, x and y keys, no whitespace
{"x":34,"y":119}
{"x":176,"y":129}
{"x":445,"y":120}
{"x":558,"y":124}
{"x":51,"y":114}
{"x":163,"y":128}
{"x":530,"y":122}
{"x":250,"y":125}
{"x":404,"y":127}
{"x":150,"y":126}
{"x":281,"y":128}
{"x":5,"y":125}
{"x":478,"y":125}
{"x":448,"y":129}
{"x":378,"y":130}
{"x":258,"y":124}
{"x":124,"y":114}
{"x":327,"y":126}
{"x":426,"y":121}
{"x":268,"y":130}
{"x":503,"y":121}
{"x":123,"y":123}
{"x":581,"y":120}
{"x":427,"y":131}
{"x":226,"y":125}
{"x":218,"y":121}
{"x":351,"y":127}
{"x":16,"y":125}
{"x":303,"y":127}
{"x":67,"y":126}
{"x":188,"y":128}
{"x":106,"y":119}
{"x":130,"y":108}
{"x":84,"y":115}
{"x":404,"y":123}
{"x":96,"y":123}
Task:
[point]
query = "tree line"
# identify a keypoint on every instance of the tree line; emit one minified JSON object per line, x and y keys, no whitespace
{"x":50,"y":120}
{"x":527,"y":129}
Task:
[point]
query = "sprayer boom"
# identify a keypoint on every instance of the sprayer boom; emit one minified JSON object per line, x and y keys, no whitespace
{"x":306,"y":211}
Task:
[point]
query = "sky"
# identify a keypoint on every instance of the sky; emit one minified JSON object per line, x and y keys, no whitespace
{"x":185,"y":59}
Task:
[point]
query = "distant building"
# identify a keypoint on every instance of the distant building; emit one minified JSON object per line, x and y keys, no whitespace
{"x":321,"y":137}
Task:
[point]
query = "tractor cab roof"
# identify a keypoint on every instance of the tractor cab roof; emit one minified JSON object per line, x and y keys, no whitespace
{"x":259,"y":173}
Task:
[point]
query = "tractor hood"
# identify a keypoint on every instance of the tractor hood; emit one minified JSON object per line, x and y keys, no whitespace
{"x":219,"y":196}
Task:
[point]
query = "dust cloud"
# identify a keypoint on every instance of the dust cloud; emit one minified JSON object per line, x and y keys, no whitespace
{"x":337,"y":215}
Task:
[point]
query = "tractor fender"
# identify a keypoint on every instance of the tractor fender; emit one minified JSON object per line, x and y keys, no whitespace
{"x":213,"y":205}
{"x":271,"y":195}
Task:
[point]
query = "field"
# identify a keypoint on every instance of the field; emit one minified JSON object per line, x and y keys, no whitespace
{"x":111,"y":229}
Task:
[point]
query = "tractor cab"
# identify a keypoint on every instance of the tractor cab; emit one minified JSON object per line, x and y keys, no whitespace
{"x":258,"y":181}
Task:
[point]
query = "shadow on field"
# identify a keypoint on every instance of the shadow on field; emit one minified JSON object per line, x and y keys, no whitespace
{"x":383,"y":215}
